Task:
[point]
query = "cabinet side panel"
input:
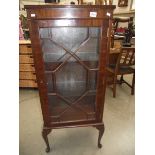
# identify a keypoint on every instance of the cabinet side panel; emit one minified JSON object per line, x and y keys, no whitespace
{"x":101,"y":88}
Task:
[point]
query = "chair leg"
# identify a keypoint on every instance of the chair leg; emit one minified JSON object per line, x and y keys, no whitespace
{"x":133,"y":85}
{"x":114,"y":86}
{"x":121,"y":79}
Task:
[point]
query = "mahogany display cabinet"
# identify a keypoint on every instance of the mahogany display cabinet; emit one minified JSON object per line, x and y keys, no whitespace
{"x":70,"y":45}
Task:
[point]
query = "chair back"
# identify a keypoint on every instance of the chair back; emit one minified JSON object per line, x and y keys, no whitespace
{"x":126,"y":57}
{"x":124,"y":21}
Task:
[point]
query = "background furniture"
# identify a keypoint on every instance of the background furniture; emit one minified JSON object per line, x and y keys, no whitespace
{"x":125,"y":61}
{"x":120,"y":25}
{"x":27,"y":76}
{"x":70,"y":48}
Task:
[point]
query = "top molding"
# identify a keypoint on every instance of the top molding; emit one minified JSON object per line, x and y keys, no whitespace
{"x":68,"y":6}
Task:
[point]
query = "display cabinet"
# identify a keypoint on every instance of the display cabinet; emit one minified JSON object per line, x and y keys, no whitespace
{"x":70,"y":47}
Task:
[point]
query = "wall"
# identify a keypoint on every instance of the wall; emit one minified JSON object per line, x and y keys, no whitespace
{"x":122,"y":9}
{"x":29,"y":2}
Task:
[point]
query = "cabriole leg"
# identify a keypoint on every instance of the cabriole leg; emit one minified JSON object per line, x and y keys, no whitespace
{"x":101,"y":131}
{"x":45,"y":132}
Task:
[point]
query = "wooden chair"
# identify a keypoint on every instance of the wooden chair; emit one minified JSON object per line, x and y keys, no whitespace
{"x":124,"y":65}
{"x":116,"y":24}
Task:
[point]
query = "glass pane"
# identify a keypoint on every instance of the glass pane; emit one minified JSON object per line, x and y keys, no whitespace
{"x":89,"y":52}
{"x":69,"y":83}
{"x":71,"y":57}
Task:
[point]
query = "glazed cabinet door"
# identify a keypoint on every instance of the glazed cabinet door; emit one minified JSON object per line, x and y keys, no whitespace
{"x":71,"y":72}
